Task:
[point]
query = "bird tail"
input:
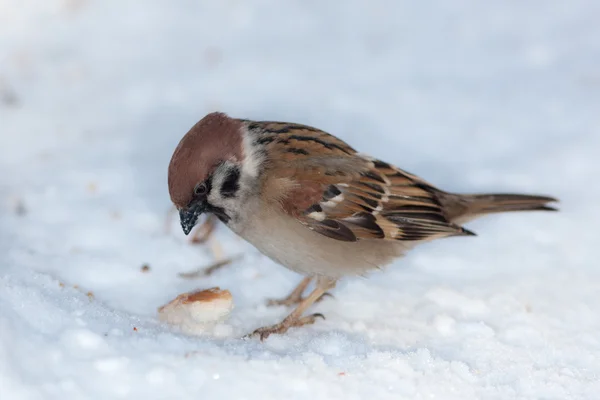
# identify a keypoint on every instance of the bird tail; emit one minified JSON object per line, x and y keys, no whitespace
{"x":465,"y":207}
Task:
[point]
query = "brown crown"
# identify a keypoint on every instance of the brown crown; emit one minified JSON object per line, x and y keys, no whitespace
{"x":215,"y":138}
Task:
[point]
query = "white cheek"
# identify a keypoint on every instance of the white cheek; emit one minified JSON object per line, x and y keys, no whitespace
{"x":214,"y":198}
{"x":252,"y":157}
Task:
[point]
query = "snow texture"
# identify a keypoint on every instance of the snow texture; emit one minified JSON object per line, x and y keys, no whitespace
{"x":474,"y":96}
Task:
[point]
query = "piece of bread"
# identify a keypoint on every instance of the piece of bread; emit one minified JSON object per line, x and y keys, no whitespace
{"x":195,"y":312}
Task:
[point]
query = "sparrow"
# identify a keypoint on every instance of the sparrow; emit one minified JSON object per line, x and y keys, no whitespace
{"x":312,"y":203}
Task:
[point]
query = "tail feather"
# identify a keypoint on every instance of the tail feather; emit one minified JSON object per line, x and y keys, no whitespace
{"x":491,"y":203}
{"x":462,"y":208}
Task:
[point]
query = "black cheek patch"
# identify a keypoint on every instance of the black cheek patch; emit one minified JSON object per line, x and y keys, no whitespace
{"x":231,"y":184}
{"x":219,"y":212}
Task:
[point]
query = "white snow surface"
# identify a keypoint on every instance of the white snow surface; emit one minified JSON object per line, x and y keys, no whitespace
{"x":473,"y":96}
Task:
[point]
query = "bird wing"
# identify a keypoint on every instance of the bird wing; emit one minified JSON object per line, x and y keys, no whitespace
{"x":348,"y":196}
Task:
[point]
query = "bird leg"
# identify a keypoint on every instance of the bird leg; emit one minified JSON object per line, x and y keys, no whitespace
{"x":295,"y":319}
{"x":220,"y":262}
{"x":294,"y":297}
{"x":201,"y":234}
{"x":205,"y":230}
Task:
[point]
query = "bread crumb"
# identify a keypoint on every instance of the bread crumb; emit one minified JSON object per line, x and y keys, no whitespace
{"x":207,"y":295}
{"x":195,"y":312}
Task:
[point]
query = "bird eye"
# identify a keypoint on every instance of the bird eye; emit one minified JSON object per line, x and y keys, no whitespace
{"x":201,"y":189}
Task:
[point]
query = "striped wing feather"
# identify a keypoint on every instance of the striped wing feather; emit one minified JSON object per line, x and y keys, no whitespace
{"x":347,"y":196}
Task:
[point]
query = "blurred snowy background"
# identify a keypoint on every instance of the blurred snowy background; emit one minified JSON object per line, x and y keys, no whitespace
{"x":473,"y":96}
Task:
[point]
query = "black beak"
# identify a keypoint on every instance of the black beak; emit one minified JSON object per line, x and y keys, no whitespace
{"x":189,"y":216}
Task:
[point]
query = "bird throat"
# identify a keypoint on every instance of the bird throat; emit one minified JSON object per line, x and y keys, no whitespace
{"x":219,"y":212}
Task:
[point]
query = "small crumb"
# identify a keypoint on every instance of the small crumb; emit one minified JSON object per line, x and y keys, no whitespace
{"x":145,"y":268}
{"x":75,"y":286}
{"x":135,"y":329}
{"x":341,"y":374}
{"x":90,"y":295}
{"x":92,"y":187}
{"x":62,"y":285}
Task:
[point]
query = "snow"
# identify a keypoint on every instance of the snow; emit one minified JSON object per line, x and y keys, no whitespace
{"x":473,"y":96}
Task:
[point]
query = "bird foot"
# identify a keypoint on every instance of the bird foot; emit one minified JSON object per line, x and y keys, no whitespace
{"x":207,"y":271}
{"x":293,"y":300}
{"x":286,"y":324}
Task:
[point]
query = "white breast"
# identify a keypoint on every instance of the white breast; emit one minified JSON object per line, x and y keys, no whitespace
{"x":293,"y":245}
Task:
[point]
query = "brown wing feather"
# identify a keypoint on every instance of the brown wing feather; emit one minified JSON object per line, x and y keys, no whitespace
{"x":347,"y":196}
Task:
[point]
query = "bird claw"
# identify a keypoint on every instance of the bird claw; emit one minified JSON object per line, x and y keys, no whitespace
{"x":283,"y":327}
{"x":286,"y":301}
{"x":326,"y":294}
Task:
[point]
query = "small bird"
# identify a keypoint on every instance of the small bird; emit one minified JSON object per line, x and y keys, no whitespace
{"x":313,"y":204}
